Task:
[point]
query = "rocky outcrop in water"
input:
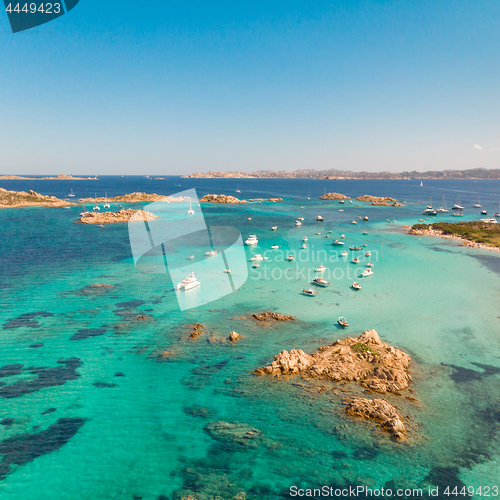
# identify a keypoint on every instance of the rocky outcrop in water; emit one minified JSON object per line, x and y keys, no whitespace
{"x":364,"y":359}
{"x":378,"y":410}
{"x":267,"y":199}
{"x":334,"y":196}
{"x":133,"y":198}
{"x":220,"y":198}
{"x":115,"y":217}
{"x":266,"y":316}
{"x":234,"y":336}
{"x":15,"y":199}
{"x":234,"y":433}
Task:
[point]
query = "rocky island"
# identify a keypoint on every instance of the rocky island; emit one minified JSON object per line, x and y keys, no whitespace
{"x":266,"y":199}
{"x":380,"y":201}
{"x":15,"y":199}
{"x":60,"y":177}
{"x":116,"y":217}
{"x":133,"y":198}
{"x":364,"y":360}
{"x":334,"y":196}
{"x":220,"y":198}
{"x":476,"y":234}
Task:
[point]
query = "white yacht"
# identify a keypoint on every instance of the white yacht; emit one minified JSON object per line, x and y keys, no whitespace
{"x":211,"y":252}
{"x":457,"y":207}
{"x":249,"y":218}
{"x":489,"y":221}
{"x":353,"y":222}
{"x":252,"y":240}
{"x":319,"y":218}
{"x":304,"y":246}
{"x":96,"y":208}
{"x":188,"y":283}
{"x":257,"y":257}
{"x":301,"y":218}
{"x":274,"y":228}
{"x":367,"y":272}
{"x":71,"y":195}
{"x":321,"y":269}
{"x":342,"y":202}
{"x":320,"y":282}
{"x":298,"y":223}
{"x":355,"y":260}
{"x":477,"y":205}
{"x":344,"y":253}
{"x":305,"y":238}
{"x":309,"y":292}
{"x":106,"y":203}
{"x":356,"y":286}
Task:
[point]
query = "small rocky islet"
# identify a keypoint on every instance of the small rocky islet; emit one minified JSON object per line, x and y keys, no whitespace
{"x":364,"y":360}
{"x":123,"y":215}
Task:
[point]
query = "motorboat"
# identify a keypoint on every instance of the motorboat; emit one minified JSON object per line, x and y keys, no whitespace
{"x":321,"y":269}
{"x":228,"y":271}
{"x":365,"y":233}
{"x":318,"y":233}
{"x":369,"y":264}
{"x":457,"y":207}
{"x":327,"y":236}
{"x":290,"y":258}
{"x":301,"y":218}
{"x":211,"y":252}
{"x":255,"y":264}
{"x":365,"y":218}
{"x":340,"y":210}
{"x":191,"y":256}
{"x":309,"y":292}
{"x":344,"y":253}
{"x":319,"y":218}
{"x":249,"y":218}
{"x":356,"y":260}
{"x":298,"y":223}
{"x":342,"y":322}
{"x":353,"y":222}
{"x":257,"y":257}
{"x":364,"y":244}
{"x":484,"y":212}
{"x":252,"y":240}
{"x":421,"y":220}
{"x":457,"y":214}
{"x":275,"y":247}
{"x":429,"y":211}
{"x":342,"y":236}
{"x":189,"y":282}
{"x":320,"y":282}
{"x":304,"y":246}
{"x":342,"y":202}
{"x":355,"y":248}
{"x":274,"y":228}
{"x":489,"y":221}
{"x":368,"y":254}
{"x":338,"y":243}
{"x":367,"y":272}
{"x":305,"y":238}
{"x":356,"y":286}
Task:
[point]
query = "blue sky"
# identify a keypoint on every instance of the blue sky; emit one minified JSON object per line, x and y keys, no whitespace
{"x":172,"y":87}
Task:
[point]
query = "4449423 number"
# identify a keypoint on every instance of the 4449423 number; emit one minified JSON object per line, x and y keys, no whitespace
{"x":33,"y":8}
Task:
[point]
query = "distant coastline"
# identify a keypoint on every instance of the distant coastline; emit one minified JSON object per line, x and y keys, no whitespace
{"x":477,"y":173}
{"x":60,"y":177}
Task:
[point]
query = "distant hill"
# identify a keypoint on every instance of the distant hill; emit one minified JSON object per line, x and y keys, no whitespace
{"x":476,"y":173}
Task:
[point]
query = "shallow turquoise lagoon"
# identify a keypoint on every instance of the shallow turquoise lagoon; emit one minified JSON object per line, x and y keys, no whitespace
{"x":99,"y":404}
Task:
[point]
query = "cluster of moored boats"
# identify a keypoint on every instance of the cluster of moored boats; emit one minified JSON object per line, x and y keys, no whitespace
{"x":458,"y":211}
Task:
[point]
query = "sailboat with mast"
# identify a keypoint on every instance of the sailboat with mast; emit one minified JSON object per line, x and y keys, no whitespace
{"x":190,"y":211}
{"x":478,"y":204}
{"x":71,"y":194}
{"x":441,"y":209}
{"x":106,"y":203}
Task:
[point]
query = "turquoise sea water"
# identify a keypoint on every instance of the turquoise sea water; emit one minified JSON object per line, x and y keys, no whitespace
{"x":91,"y":410}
